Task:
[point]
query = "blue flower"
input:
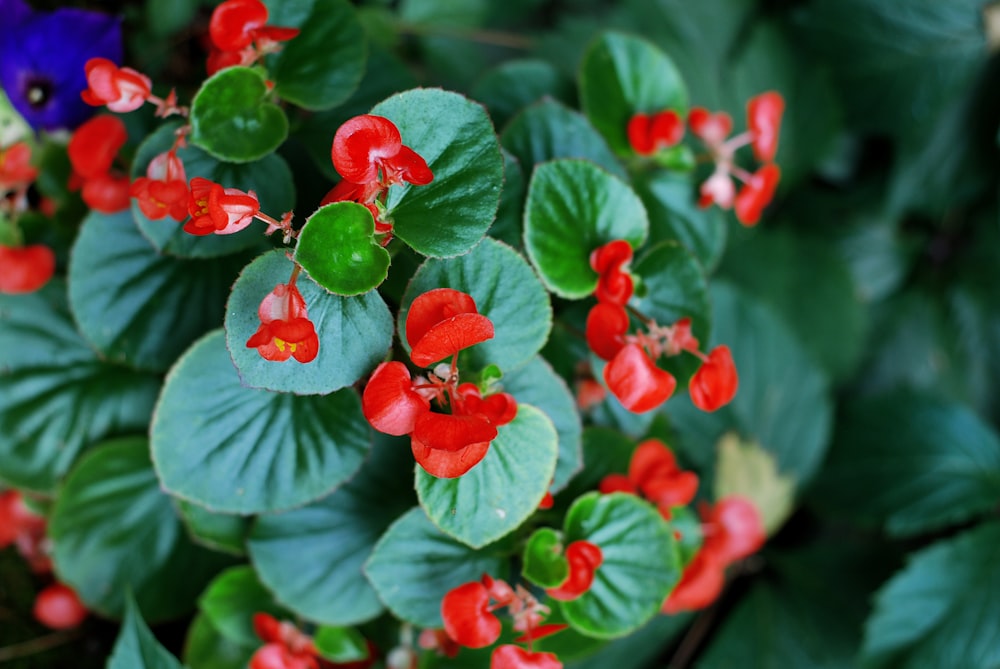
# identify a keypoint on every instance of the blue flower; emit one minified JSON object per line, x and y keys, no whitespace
{"x":42,"y":55}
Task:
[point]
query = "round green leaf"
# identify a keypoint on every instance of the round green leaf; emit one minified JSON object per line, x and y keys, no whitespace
{"x":493,"y":498}
{"x":641,"y":564}
{"x":622,"y":75}
{"x":205,"y":648}
{"x":505,"y":290}
{"x":222,"y":532}
{"x":544,"y":562}
{"x":114,"y":531}
{"x":414,"y":566}
{"x":538,"y":385}
{"x":573,"y":207}
{"x":126,"y":296}
{"x":338,"y":249}
{"x":548,"y":130}
{"x":56,"y":395}
{"x":674,"y":287}
{"x":323,"y":64}
{"x":311,"y":558}
{"x":232,"y":118}
{"x":456,"y":138}
{"x":236,"y":449}
{"x":231,"y":600}
{"x":270,"y":178}
{"x":354,"y":332}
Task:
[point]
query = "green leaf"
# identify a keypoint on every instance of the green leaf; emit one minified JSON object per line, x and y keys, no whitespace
{"x":507,"y":227}
{"x":311,"y":558}
{"x":515,"y":84}
{"x":230,"y":602}
{"x":635,"y":651}
{"x":621,"y":76}
{"x":354,"y":332}
{"x":941,"y":610}
{"x":914,"y":463}
{"x":674,"y":287}
{"x":270,"y":178}
{"x":538,"y":385}
{"x":544,"y":562}
{"x":748,"y":471}
{"x":276,"y":450}
{"x":56,"y":395}
{"x":341,"y":644}
{"x":338,"y":249}
{"x":115,"y":530}
{"x":505,"y":290}
{"x":548,"y":130}
{"x":641,"y":564}
{"x":686,"y":524}
{"x":222,"y":532}
{"x":323,"y":64}
{"x":493,"y":498}
{"x":414,"y":565}
{"x":233,"y":120}
{"x":674,"y":215}
{"x":126,"y":296}
{"x":136,"y":647}
{"x":573,"y":207}
{"x":451,"y":214}
{"x":205,"y":648}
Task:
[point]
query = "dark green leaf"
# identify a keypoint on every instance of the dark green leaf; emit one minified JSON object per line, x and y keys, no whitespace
{"x":574,"y":207}
{"x":205,"y":648}
{"x":311,"y":558}
{"x":221,"y":532}
{"x":505,"y":290}
{"x":236,"y":449}
{"x":233,"y":120}
{"x":230,"y":602}
{"x":497,"y":495}
{"x":515,"y":84}
{"x":605,"y":451}
{"x":635,"y":651}
{"x":322,"y":65}
{"x":452,"y":213}
{"x":338,"y":249}
{"x":114,"y":530}
{"x":414,"y":565}
{"x":544,"y":562}
{"x":508,"y":227}
{"x":56,"y":396}
{"x":354,"y":332}
{"x":136,"y":647}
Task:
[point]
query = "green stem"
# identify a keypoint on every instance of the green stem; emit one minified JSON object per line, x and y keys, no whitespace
{"x":37,"y":645}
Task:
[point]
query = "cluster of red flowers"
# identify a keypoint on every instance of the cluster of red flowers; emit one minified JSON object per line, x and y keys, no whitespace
{"x":286,"y":647}
{"x":654,"y":474}
{"x":368,"y":152}
{"x":93,"y":150}
{"x":23,"y":269}
{"x":439,"y":324}
{"x":240,"y":34}
{"x":649,"y":134}
{"x":163,"y":191}
{"x":631,"y":373}
{"x":285,"y":329}
{"x":469,"y":621}
{"x":57,"y":605}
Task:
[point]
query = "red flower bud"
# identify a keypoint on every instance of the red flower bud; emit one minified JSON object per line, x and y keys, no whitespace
{"x":648,"y":134}
{"x":121,"y":89}
{"x":25,"y":269}
{"x":467,"y":616}
{"x":764,"y":120}
{"x":58,"y":607}
{"x":515,"y":657}
{"x":636,"y":380}
{"x":285,"y":329}
{"x":95,"y":144}
{"x":714,"y":384}
{"x":606,"y":327}
{"x":584,"y":558}
{"x":757,"y":194}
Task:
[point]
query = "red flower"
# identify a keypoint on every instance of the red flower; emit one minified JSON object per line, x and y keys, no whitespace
{"x":614,"y":284}
{"x":654,"y":473}
{"x":106,"y":193}
{"x":764,"y":113}
{"x":714,"y":384}
{"x":17,"y":519}
{"x":25,"y":269}
{"x":442,"y":322}
{"x":515,"y":657}
{"x":584,"y":558}
{"x":700,"y":584}
{"x":468,"y":618}
{"x":710,"y":128}
{"x":717,"y":189}
{"x":369,"y":149}
{"x":606,"y":328}
{"x":58,"y":607}
{"x":163,"y":191}
{"x":636,"y":381}
{"x":95,"y":144}
{"x":390,"y":403}
{"x":439,"y":641}
{"x":756,"y":194}
{"x":121,"y":89}
{"x":285,"y":646}
{"x":648,"y":134}
{"x":285,"y":330}
{"x":237,"y":24}
{"x":16,"y":171}
{"x":733,"y":529}
{"x":218,"y":210}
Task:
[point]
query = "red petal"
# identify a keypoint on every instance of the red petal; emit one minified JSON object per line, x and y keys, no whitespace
{"x":636,"y":380}
{"x":467,"y":618}
{"x":650,"y":460}
{"x":448,"y":464}
{"x":361,"y":143}
{"x":715,"y":383}
{"x":667,"y":129}
{"x":106,"y":193}
{"x":515,"y":657}
{"x":541,"y":632}
{"x":434,"y":306}
{"x":25,"y":269}
{"x":451,"y":336}
{"x":710,"y":128}
{"x":639,"y":138}
{"x":267,"y":627}
{"x":410,"y":167}
{"x":58,"y":607}
{"x":677,"y":489}
{"x":734,"y":529}
{"x":756,"y":195}
{"x":94,"y":145}
{"x":764,"y":120}
{"x":389,"y":401}
{"x":700,"y":585}
{"x":584,"y":558}
{"x":232,"y":22}
{"x":616,"y":483}
{"x":606,"y":328}
{"x":452,"y":433}
{"x":499,"y":408}
{"x":610,"y":256}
